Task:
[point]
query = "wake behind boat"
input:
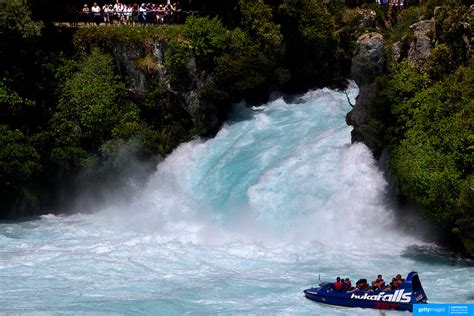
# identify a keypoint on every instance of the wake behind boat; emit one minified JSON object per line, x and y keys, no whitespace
{"x":408,"y":293}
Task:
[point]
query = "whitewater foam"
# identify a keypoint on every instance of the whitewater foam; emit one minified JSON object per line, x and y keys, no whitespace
{"x":287,"y":173}
{"x":240,"y":223}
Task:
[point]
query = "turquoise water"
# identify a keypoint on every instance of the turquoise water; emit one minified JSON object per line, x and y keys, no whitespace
{"x":239,"y":224}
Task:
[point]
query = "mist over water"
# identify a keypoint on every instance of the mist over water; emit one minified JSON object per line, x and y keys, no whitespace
{"x":240,"y":223}
{"x":287,"y":173}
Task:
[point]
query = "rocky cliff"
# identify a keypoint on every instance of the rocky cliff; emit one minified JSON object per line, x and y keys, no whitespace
{"x":368,"y":63}
{"x":415,"y":104}
{"x":146,"y":65}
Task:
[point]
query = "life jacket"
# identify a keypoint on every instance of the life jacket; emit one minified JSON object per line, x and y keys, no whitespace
{"x":337,"y":285}
{"x":394,"y":285}
{"x":378,"y":283}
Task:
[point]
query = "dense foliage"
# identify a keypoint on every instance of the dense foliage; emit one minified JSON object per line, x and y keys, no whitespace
{"x":424,"y":117}
{"x":434,"y":159}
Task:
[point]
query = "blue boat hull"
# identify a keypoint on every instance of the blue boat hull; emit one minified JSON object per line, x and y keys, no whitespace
{"x":348,"y":302}
{"x":409,"y":293}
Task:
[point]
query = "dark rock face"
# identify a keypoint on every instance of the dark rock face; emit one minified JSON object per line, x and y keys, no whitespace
{"x":367,"y":64}
{"x":359,"y":115}
{"x":141,"y":67}
{"x":144,"y":68}
{"x":125,"y":57}
{"x":368,"y":61}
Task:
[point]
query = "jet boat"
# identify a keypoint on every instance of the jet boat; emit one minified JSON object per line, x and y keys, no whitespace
{"x":410,"y":292}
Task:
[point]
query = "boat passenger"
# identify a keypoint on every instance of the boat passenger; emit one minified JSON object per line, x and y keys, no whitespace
{"x":343,"y":287}
{"x":361,"y":285}
{"x":337,"y":286}
{"x":378,"y":284}
{"x":392,"y":286}
{"x":399,"y":279}
{"x":364,"y":285}
{"x":396,"y":282}
{"x":347,"y":283}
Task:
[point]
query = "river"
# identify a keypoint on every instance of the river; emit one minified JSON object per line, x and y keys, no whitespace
{"x":238,"y":224}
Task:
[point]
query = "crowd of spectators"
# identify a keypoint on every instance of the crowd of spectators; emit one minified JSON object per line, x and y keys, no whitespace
{"x":390,"y":2}
{"x":121,"y":13}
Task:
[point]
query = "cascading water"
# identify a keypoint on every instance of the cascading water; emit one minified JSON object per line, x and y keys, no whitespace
{"x":241,"y":223}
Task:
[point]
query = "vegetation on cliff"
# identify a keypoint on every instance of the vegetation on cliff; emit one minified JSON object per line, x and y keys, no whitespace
{"x":423,"y":115}
{"x":73,"y":101}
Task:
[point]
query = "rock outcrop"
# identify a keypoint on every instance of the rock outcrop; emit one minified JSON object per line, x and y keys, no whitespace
{"x":420,"y":46}
{"x":142,"y":65}
{"x":368,"y":63}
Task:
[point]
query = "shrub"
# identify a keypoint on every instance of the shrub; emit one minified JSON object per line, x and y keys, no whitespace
{"x":19,"y":161}
{"x":311,"y":42}
{"x":432,"y":157}
{"x":208,"y":39}
{"x":16,"y":22}
{"x":178,"y":63}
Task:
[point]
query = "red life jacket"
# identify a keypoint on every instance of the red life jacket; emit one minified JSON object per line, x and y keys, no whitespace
{"x":337,"y":285}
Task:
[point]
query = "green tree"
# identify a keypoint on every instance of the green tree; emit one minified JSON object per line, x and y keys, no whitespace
{"x":91,"y":105}
{"x":432,"y":155}
{"x":13,"y":106}
{"x":16,"y":22}
{"x":208,"y":39}
{"x":311,"y":42}
{"x":258,"y":23}
{"x":178,"y":63}
{"x":19,"y":161}
{"x":454,"y":28}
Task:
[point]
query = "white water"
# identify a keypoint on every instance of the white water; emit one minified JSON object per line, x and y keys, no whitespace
{"x":241,"y":223}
